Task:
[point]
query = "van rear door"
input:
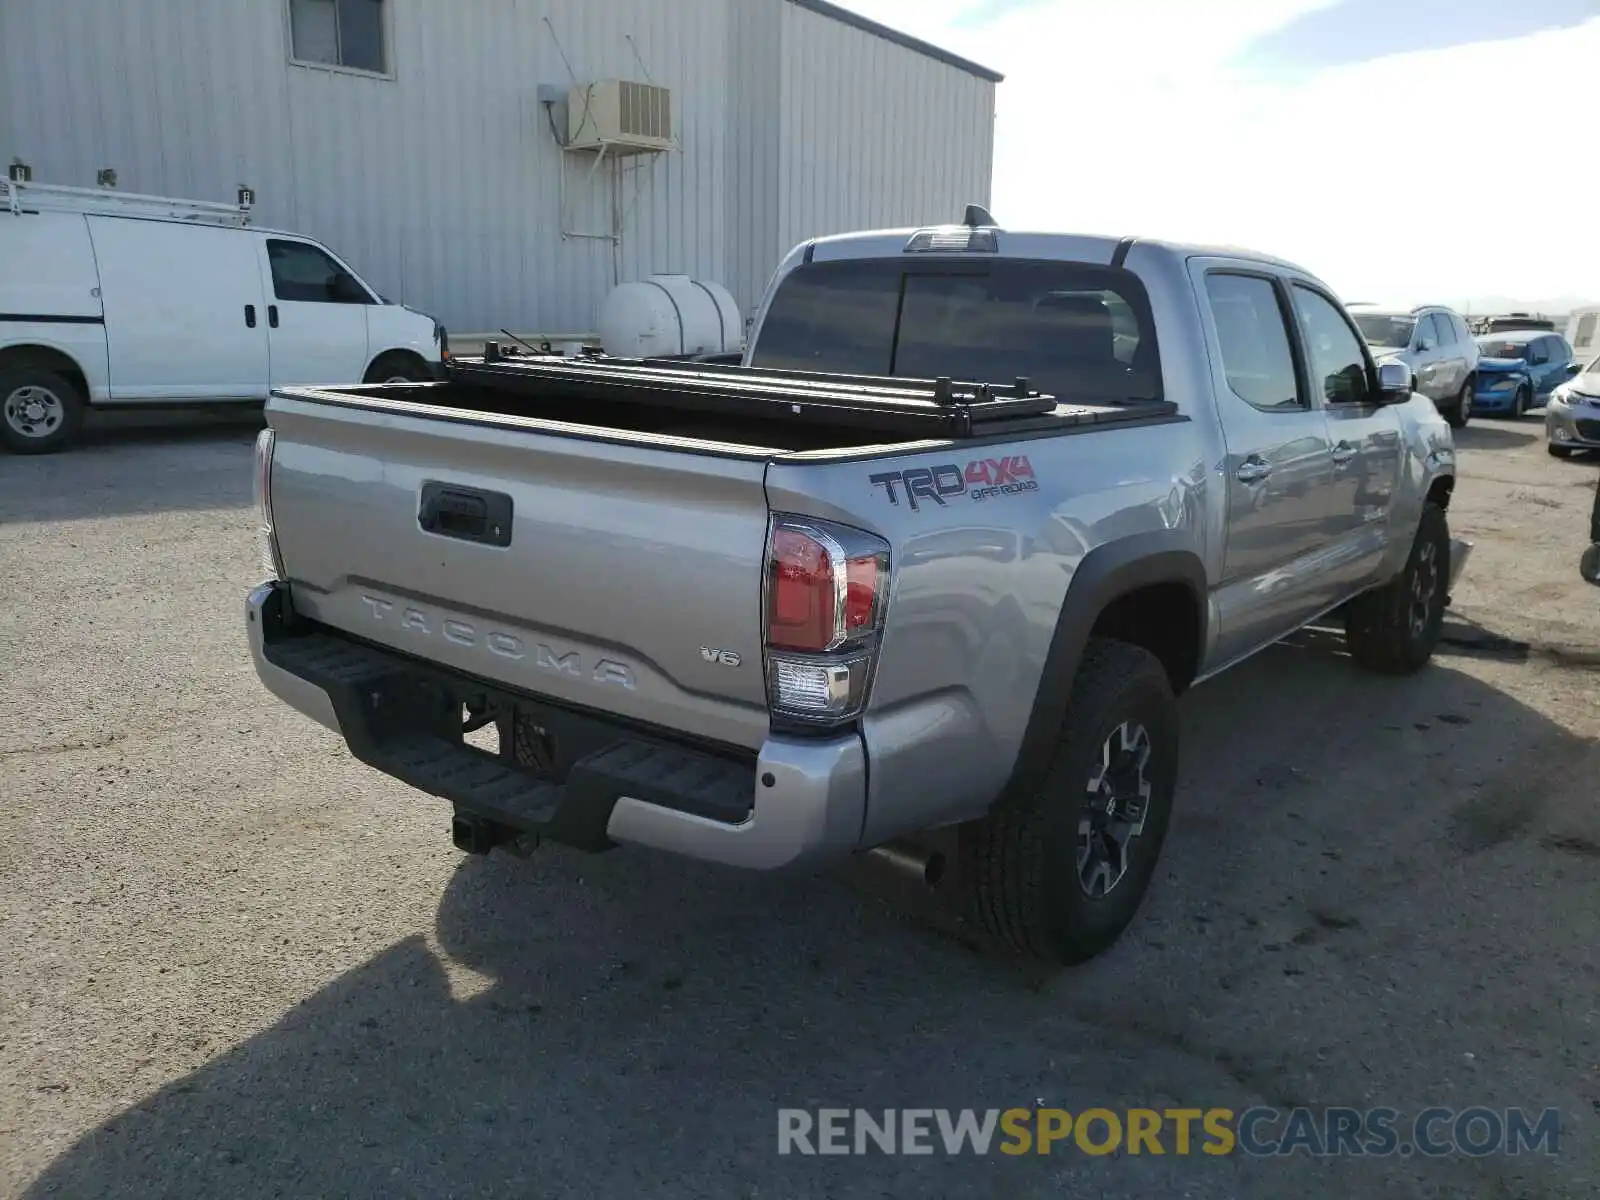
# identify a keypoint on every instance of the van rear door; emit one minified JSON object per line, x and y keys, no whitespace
{"x":183,"y":310}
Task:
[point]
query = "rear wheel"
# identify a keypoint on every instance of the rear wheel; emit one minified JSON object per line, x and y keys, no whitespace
{"x":40,"y":411}
{"x":398,"y":368}
{"x":1394,"y":629}
{"x":1059,"y":873}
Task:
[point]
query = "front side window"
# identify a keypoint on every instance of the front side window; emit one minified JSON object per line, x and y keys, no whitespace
{"x":1255,"y":342}
{"x":339,"y":33}
{"x":1078,"y":332}
{"x":302,"y":272}
{"x":1333,"y":350}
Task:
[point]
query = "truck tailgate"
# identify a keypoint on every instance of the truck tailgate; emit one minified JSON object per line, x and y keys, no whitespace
{"x":626,"y":568}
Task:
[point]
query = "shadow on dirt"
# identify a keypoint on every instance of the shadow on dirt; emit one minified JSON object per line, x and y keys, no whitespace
{"x":136,"y":462}
{"x":629,"y":1023}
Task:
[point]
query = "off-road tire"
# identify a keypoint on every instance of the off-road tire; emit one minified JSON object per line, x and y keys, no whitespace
{"x":1022,"y":859}
{"x":1380,"y":627}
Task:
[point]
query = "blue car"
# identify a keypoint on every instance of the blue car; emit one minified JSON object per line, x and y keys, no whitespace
{"x":1518,"y":370}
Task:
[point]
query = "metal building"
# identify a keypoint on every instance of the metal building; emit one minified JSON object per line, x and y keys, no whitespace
{"x":433,"y":143}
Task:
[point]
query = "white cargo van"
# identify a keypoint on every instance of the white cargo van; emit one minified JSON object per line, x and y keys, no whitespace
{"x":110,"y":298}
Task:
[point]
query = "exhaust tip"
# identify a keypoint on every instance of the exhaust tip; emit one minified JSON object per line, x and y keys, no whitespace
{"x":913,"y":862}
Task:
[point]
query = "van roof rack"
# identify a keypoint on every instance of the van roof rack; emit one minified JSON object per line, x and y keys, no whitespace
{"x":25,"y":196}
{"x":931,"y":408}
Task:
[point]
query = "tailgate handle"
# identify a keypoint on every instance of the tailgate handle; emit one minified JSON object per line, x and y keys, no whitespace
{"x":467,"y":514}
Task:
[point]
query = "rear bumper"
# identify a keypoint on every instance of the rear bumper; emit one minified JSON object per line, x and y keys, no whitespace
{"x":572,"y":776}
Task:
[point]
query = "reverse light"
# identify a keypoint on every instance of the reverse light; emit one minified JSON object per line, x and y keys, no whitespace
{"x":826,"y":588}
{"x":271,"y":560}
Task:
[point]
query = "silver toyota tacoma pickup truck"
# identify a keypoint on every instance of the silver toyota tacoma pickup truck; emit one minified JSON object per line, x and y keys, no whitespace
{"x":938,"y":555}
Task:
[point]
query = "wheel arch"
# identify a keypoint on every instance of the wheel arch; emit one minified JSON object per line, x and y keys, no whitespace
{"x":44,"y":357}
{"x":1149,"y":589}
{"x":410,"y":355}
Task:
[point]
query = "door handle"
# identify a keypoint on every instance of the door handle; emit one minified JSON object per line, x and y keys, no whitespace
{"x":1343,"y":453}
{"x":272,"y":315}
{"x":249,"y":316}
{"x":1254,"y":470}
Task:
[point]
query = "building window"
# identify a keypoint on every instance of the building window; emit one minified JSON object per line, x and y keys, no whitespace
{"x":339,"y":33}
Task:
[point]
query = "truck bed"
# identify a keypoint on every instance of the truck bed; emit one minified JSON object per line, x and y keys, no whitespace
{"x":732,"y":405}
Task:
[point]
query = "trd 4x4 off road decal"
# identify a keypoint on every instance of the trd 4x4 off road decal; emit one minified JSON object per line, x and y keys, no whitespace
{"x":980,"y":479}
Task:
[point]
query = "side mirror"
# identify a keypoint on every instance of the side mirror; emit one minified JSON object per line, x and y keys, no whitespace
{"x":1424,"y":345}
{"x":1574,"y":370}
{"x":1394,"y":383}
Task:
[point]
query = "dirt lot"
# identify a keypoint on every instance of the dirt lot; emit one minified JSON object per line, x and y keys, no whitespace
{"x":237,"y":963}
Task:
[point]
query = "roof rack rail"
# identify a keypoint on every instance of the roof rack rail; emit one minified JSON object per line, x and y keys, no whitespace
{"x":933,"y":408}
{"x":22,"y":195}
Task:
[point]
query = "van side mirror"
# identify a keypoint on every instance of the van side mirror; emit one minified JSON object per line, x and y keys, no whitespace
{"x":1394,"y":382}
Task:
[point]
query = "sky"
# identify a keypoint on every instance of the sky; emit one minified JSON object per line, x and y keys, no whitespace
{"x":1407,"y":151}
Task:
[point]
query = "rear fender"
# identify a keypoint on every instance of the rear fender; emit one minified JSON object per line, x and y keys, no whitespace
{"x":1107,"y":572}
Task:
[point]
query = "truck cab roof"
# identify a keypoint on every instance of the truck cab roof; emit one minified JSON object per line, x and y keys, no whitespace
{"x":1034,"y":244}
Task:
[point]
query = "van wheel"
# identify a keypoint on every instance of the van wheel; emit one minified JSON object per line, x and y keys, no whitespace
{"x":1058,"y":874}
{"x":1394,"y":629}
{"x":40,"y":412}
{"x":398,"y":368}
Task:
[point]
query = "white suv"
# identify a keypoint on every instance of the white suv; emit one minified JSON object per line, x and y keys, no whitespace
{"x":109,"y":299}
{"x":1435,"y":343}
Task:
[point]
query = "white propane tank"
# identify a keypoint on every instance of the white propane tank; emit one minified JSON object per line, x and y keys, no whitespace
{"x":669,"y":314}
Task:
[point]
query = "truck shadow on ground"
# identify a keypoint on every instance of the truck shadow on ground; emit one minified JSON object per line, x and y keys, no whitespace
{"x":629,"y":1024}
{"x":1497,"y":434}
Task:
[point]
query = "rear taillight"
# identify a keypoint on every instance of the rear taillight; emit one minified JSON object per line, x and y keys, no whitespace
{"x":271,"y":561}
{"x":827,"y":586}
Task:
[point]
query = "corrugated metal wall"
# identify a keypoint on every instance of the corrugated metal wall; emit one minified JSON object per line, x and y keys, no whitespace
{"x":914,"y":137}
{"x":441,"y":183}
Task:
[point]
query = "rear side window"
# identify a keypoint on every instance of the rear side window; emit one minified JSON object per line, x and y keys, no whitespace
{"x":1255,"y":342}
{"x":1078,"y":332}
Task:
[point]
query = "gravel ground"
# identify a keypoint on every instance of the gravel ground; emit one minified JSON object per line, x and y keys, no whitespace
{"x":236,"y":963}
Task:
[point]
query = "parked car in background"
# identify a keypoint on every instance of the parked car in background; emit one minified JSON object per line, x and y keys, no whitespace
{"x":108,"y":298}
{"x":1583,"y":331}
{"x":1514,"y":321}
{"x":1435,"y":343}
{"x":1572,"y":415}
{"x":1518,"y":371}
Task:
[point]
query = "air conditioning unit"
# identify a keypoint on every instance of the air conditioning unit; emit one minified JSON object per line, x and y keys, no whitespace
{"x":620,"y":116}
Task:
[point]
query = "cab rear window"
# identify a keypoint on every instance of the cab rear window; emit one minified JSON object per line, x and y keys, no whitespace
{"x":1077,"y":331}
